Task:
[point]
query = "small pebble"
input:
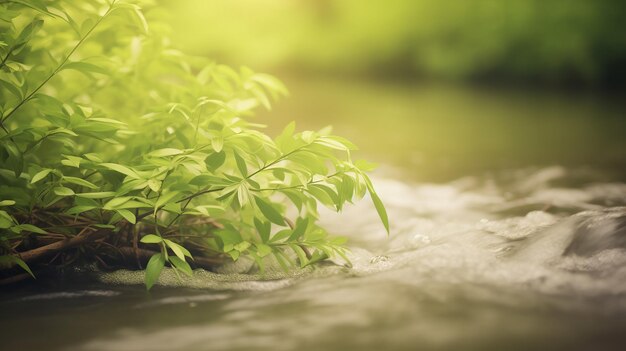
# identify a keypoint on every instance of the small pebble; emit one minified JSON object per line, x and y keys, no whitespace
{"x":379,"y":259}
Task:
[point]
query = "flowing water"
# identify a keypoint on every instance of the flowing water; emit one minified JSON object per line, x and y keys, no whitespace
{"x":521,"y":258}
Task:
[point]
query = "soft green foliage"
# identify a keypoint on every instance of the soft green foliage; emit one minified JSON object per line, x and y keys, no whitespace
{"x":105,"y":127}
{"x":532,"y":40}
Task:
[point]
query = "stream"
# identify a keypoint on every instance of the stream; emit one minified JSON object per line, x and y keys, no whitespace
{"x":516,"y":257}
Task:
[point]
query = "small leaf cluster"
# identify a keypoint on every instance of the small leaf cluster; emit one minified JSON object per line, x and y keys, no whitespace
{"x":106,"y":127}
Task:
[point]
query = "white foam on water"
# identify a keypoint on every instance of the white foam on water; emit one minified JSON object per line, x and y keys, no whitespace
{"x":71,"y":295}
{"x":191,"y":300}
{"x":464,"y":261}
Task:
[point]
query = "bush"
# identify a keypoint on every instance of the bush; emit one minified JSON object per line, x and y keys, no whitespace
{"x":117,"y":148}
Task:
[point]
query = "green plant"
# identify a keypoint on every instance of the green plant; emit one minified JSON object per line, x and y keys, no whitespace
{"x":116,"y":146}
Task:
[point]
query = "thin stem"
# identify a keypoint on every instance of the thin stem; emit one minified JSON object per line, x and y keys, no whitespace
{"x":5,"y":129}
{"x":180,"y":214}
{"x":4,"y":60}
{"x":276,"y":161}
{"x":299,"y":186}
{"x":33,"y":145}
{"x":190,"y":197}
{"x":201,"y":193}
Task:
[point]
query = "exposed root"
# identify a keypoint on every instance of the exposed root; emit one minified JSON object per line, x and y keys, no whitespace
{"x":109,"y":256}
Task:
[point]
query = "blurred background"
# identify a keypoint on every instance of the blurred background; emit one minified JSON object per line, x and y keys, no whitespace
{"x":515,"y":108}
{"x":438,"y":89}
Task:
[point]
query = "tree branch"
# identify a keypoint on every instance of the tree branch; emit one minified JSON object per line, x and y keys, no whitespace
{"x":40,"y":252}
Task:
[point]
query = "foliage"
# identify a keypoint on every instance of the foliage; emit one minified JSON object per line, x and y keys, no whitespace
{"x":112,"y":139}
{"x":541,"y":41}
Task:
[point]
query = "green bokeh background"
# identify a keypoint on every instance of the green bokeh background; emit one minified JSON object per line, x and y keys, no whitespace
{"x":437,"y":89}
{"x":546,"y":41}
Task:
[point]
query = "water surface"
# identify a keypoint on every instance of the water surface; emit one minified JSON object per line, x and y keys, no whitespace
{"x":484,"y":253}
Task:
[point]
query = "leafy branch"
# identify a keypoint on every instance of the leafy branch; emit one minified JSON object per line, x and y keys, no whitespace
{"x":106,"y":169}
{"x":58,"y":68}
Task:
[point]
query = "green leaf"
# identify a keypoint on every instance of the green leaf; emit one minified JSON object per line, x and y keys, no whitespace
{"x":15,"y":161}
{"x":38,"y":6}
{"x":317,"y":256}
{"x":204,"y":180}
{"x":269,"y":211}
{"x":282,"y":260}
{"x":63,"y":191}
{"x":136,"y":12}
{"x":97,"y":195}
{"x":85,"y":67}
{"x":241,"y":165}
{"x":296,"y":198}
{"x":263,"y":228}
{"x":234,"y":254}
{"x":346,"y":188}
{"x":215,"y":160}
{"x":116,"y":202}
{"x":132,"y":204}
{"x":121,"y":169}
{"x":270,"y":83}
{"x":7,"y":203}
{"x":61,"y":130}
{"x":29,"y":31}
{"x":298,"y":231}
{"x":380,"y":208}
{"x":154,"y":184}
{"x":139,"y":16}
{"x":259,"y":94}
{"x":23,"y":265}
{"x":324,"y":194}
{"x":4,"y":221}
{"x":242,"y":246}
{"x":79,"y":209}
{"x":178,"y":250}
{"x":336,"y":139}
{"x":165,"y":198}
{"x":217,"y":144}
{"x":285,"y":140}
{"x":365,"y":166}
{"x":151,"y":239}
{"x":30,"y":228}
{"x":243,"y":194}
{"x":12,"y":88}
{"x":128,"y":215}
{"x":165,"y":152}
{"x":301,"y":254}
{"x":80,"y":182}
{"x":71,"y":161}
{"x":153,"y":269}
{"x":333,"y":144}
{"x":214,"y":210}
{"x":281,"y":235}
{"x":106,"y":121}
{"x":40,"y":175}
{"x":263,"y":249}
{"x":181,"y":264}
